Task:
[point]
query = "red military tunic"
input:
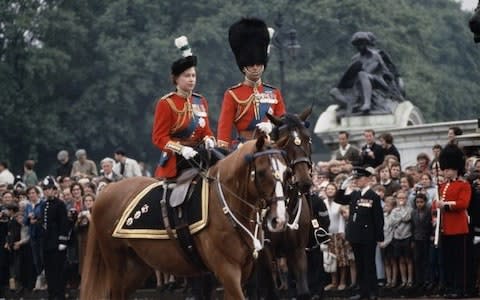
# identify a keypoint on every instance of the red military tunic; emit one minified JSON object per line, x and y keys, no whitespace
{"x":173,"y":114}
{"x":455,"y":217}
{"x":242,"y":108}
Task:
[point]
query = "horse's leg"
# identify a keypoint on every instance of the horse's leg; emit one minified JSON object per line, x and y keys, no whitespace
{"x":297,"y":262}
{"x":231,"y":278}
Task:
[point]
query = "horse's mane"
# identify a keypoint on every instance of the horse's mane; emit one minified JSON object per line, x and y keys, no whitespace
{"x":232,"y":163}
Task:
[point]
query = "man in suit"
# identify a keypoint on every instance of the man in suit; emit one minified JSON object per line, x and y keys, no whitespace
{"x":55,"y":223}
{"x":346,"y":151}
{"x":125,"y":166}
{"x":364,"y":228}
{"x":371,"y":153}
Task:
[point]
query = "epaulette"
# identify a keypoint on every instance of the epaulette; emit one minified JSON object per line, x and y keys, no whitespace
{"x":197,"y":94}
{"x":269,"y":85}
{"x":235,"y":86}
{"x":167,"y":95}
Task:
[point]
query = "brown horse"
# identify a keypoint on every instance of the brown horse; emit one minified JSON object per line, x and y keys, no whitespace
{"x":291,"y":135}
{"x":240,"y":186}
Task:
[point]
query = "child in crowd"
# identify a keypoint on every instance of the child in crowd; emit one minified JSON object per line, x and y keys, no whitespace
{"x":386,"y":247}
{"x":401,"y":219}
{"x":421,"y":229}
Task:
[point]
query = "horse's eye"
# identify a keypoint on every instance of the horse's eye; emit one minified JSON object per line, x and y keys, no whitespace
{"x":261,"y":174}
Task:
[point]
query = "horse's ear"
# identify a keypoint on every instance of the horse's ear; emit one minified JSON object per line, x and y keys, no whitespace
{"x":275,"y":120}
{"x":305,"y":114}
{"x":260,"y":142}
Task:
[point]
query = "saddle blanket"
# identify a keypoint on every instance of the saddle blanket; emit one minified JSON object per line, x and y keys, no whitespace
{"x":143,"y":219}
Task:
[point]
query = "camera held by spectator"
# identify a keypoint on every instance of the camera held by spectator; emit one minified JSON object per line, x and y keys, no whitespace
{"x":72,"y":215}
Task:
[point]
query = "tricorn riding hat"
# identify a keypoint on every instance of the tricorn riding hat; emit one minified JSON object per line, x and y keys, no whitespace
{"x":249,"y":39}
{"x":452,"y":157}
{"x":187,"y":61}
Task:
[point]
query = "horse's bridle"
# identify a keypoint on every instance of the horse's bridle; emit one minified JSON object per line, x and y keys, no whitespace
{"x":294,"y":137}
{"x":257,"y":244}
{"x":275,"y":168}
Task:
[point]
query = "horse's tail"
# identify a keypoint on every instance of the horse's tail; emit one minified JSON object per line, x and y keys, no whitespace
{"x":94,"y":283}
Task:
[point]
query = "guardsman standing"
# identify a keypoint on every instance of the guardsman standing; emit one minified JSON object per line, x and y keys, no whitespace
{"x":245,"y":105}
{"x":181,"y":121}
{"x":364,"y":229}
{"x":55,"y":238}
{"x":454,"y":199}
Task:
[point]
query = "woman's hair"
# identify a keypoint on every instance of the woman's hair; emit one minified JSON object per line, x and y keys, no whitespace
{"x":79,"y":185}
{"x":410,"y":180}
{"x":29,"y":164}
{"x":421,"y":196}
{"x":86,"y":196}
{"x":387,"y":137}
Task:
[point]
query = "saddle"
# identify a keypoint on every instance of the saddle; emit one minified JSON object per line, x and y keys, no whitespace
{"x":182,"y":187}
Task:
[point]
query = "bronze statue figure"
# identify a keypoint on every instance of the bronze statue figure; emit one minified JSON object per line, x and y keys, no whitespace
{"x":474,"y":24}
{"x":371,"y":84}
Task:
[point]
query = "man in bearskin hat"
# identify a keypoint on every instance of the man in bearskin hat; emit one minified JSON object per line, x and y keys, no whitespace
{"x":245,"y":105}
{"x":454,"y":198}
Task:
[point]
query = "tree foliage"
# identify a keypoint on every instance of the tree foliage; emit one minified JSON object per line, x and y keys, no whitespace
{"x":87,"y":73}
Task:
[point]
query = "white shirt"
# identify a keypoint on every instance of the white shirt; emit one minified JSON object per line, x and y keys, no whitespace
{"x":344,"y":150}
{"x":6,"y":177}
{"x":132,"y":168}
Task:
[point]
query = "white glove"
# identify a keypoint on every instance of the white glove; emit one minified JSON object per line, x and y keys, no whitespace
{"x":209,"y":143}
{"x":62,"y":247}
{"x":265,"y":127}
{"x":188,"y":152}
{"x":346,"y":183}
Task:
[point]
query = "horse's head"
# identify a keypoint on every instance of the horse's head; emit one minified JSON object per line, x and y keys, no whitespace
{"x":291,"y":135}
{"x":474,"y":24}
{"x":267,"y":176}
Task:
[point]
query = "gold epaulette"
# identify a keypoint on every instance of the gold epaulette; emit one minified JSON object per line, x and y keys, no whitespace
{"x":269,"y":85}
{"x":167,"y":95}
{"x":235,"y":86}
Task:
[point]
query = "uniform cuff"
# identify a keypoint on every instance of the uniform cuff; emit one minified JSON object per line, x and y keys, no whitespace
{"x":63,"y":238}
{"x":174,"y":146}
{"x":223,"y":144}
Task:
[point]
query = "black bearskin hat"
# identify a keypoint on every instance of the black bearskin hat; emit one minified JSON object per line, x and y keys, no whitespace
{"x":452,"y":157}
{"x":187,"y":61}
{"x":249,"y":39}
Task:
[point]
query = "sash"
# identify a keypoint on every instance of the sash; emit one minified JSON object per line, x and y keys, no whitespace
{"x":187,"y":131}
{"x":263,"y":108}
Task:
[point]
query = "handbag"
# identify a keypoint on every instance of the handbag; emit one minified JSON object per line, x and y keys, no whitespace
{"x":329,"y":262}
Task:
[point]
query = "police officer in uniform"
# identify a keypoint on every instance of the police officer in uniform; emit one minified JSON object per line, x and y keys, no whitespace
{"x":55,"y":238}
{"x":245,"y":105}
{"x":454,"y":198}
{"x":364,"y":228}
{"x":181,"y":122}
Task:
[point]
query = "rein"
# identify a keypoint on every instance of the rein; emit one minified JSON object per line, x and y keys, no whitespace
{"x":257,"y":243}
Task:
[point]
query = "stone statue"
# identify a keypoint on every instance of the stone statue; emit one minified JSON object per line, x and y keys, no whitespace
{"x":474,"y":24}
{"x":371,"y":84}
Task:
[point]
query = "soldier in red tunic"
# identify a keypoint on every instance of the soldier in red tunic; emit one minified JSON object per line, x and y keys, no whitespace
{"x":245,"y":105}
{"x":181,"y":121}
{"x":454,"y":198}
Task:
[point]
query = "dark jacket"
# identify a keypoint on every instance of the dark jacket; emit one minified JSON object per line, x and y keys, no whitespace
{"x":55,"y":223}
{"x":392,"y":151}
{"x":64,"y":169}
{"x":367,"y":161}
{"x":365,"y":222}
{"x":421,"y":224}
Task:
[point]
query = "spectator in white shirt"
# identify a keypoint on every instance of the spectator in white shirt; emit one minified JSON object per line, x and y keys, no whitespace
{"x":125,"y":166}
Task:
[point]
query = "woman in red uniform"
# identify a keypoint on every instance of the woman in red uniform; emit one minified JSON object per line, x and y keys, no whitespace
{"x":181,"y":121}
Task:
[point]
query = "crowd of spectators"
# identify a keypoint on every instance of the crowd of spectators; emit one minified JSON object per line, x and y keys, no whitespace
{"x":22,"y":208}
{"x":406,"y":259}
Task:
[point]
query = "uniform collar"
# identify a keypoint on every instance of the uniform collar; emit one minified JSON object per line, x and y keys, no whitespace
{"x":183,"y":94}
{"x":251,"y":83}
{"x":364,"y":190}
